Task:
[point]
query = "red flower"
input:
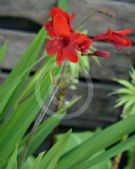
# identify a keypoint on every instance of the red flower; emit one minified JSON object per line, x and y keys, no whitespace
{"x":65,"y":42}
{"x":117,"y":38}
{"x":54,"y":12}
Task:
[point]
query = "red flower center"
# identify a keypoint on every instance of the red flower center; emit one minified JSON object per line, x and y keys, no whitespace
{"x":84,"y":45}
{"x":65,"y":42}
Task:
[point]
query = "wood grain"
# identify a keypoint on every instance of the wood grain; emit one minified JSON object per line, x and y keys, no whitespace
{"x":17,"y":43}
{"x":97,"y":111}
{"x":101,"y":14}
{"x":116,"y":66}
{"x":128,"y":1}
{"x":97,"y":15}
{"x":35,"y":10}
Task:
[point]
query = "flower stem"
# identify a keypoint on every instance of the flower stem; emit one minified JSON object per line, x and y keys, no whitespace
{"x":117,"y":159}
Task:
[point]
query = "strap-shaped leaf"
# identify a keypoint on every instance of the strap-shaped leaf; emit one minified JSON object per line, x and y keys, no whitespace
{"x":50,"y":159}
{"x":108,"y":154}
{"x":63,"y":4}
{"x":37,"y":161}
{"x":12,"y":163}
{"x":25,"y":113}
{"x":21,"y":71}
{"x":75,"y":139}
{"x":97,"y":143}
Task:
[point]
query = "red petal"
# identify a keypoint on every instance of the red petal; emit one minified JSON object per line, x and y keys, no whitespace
{"x":124,"y":32}
{"x":129,"y":43}
{"x":60,"y":58}
{"x":121,"y":41}
{"x":70,"y":54}
{"x":53,"y":46}
{"x":49,"y":28}
{"x":70,"y":21}
{"x":80,"y":41}
{"x":103,"y":36}
{"x":55,"y":11}
{"x":76,"y":38}
{"x":61,"y":27}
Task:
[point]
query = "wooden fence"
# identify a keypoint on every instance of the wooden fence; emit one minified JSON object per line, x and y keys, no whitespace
{"x":21,"y":19}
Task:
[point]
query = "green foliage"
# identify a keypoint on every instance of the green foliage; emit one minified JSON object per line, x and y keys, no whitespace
{"x":63,"y":4}
{"x":36,"y":163}
{"x":75,"y":139}
{"x":97,"y":143}
{"x":49,"y":161}
{"x":131,"y":156}
{"x":25,"y":107}
{"x":12,"y":163}
{"x":82,"y":67}
{"x":15,"y":123}
{"x":78,"y":138}
{"x":47,"y":127}
{"x":126,"y":95}
{"x":17,"y":78}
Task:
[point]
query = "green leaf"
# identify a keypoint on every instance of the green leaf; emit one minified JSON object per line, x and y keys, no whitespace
{"x":97,"y":143}
{"x":102,"y":165}
{"x":47,"y":127}
{"x":74,"y":69}
{"x":12,"y":163}
{"x":63,"y":4}
{"x":108,"y":154}
{"x":3,"y":50}
{"x":21,"y":71}
{"x":127,"y":84}
{"x":131,"y":155}
{"x":28,"y":162}
{"x":75,"y":139}
{"x":37,"y":161}
{"x":126,"y":95}
{"x":30,"y":87}
{"x":50,"y":159}
{"x":13,"y":130}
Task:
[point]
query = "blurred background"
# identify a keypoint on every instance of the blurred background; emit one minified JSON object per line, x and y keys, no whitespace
{"x":20,"y":20}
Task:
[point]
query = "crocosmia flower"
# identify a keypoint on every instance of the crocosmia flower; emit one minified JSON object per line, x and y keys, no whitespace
{"x":117,"y":38}
{"x":64,"y":41}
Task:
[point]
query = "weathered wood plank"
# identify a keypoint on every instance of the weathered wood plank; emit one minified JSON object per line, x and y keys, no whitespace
{"x":35,"y":10}
{"x":121,"y":13}
{"x":116,"y":66}
{"x":2,"y":77}
{"x":17,"y":43}
{"x":97,"y":112}
{"x":128,"y":1}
